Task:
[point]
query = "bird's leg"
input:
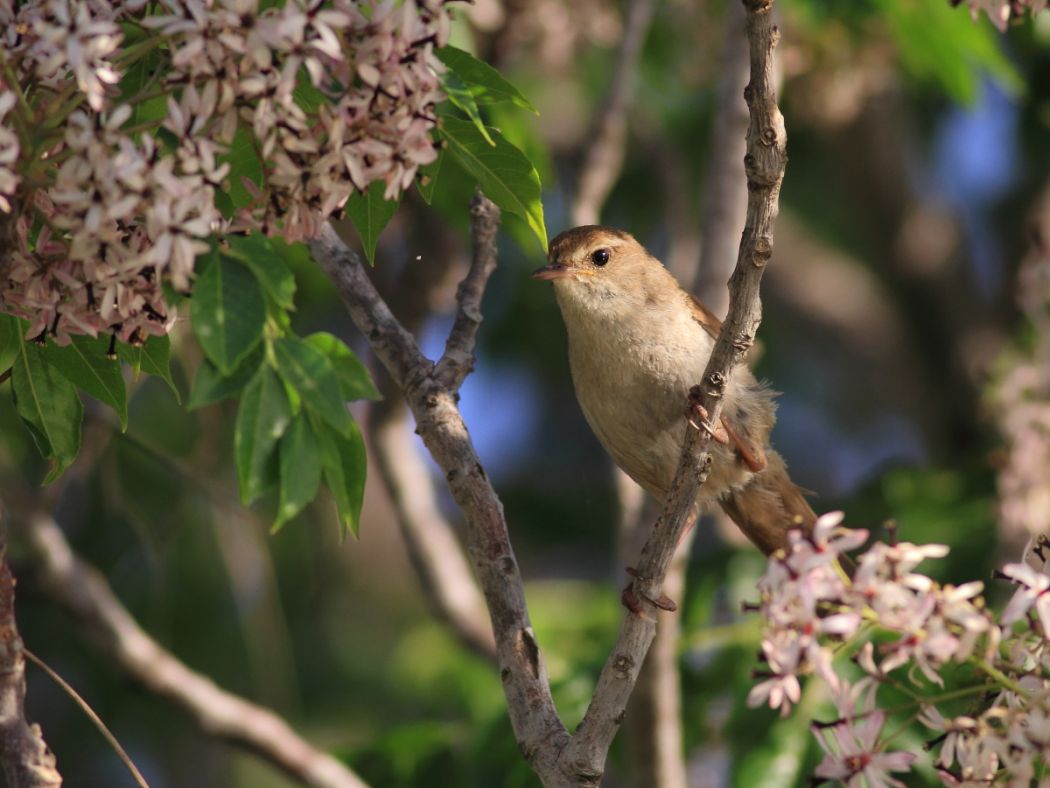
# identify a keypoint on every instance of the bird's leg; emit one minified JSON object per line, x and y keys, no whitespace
{"x":696,"y":409}
{"x":630,"y":594}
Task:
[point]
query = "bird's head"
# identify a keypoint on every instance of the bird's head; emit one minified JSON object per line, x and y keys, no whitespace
{"x":600,"y":269}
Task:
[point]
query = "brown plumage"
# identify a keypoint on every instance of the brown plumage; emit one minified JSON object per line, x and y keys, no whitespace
{"x":637,"y":343}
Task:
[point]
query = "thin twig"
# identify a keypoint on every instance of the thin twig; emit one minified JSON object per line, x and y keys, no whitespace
{"x":91,"y":715}
{"x":25,"y":760}
{"x":604,"y":152}
{"x":764,"y":163}
{"x":540,"y":733}
{"x":449,"y":588}
{"x":84,"y":592}
{"x":458,"y":359}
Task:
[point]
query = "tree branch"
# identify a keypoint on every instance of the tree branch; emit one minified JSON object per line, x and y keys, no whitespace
{"x":440,"y":565}
{"x":415,"y":292}
{"x":25,"y":759}
{"x":458,"y":359}
{"x":561,"y":760}
{"x":540,"y":733}
{"x":603,"y":156}
{"x":82,"y":590}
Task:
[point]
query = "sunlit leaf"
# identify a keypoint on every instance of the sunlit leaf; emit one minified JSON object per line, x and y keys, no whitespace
{"x":85,"y":363}
{"x":957,"y":56}
{"x":345,"y":466}
{"x":300,"y":462}
{"x":486,"y":84}
{"x":370,"y":213}
{"x":355,"y":381}
{"x":506,"y":176}
{"x":262,"y":418}
{"x":459,"y":94}
{"x":49,"y":404}
{"x":228,"y":312}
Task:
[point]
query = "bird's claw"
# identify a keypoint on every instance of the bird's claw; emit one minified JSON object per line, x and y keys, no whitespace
{"x":718,"y":433}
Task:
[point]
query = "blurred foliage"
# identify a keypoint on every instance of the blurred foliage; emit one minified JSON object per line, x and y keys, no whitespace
{"x":337,"y":636}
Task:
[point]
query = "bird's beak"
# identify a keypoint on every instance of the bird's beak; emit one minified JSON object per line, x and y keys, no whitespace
{"x":552,"y":271}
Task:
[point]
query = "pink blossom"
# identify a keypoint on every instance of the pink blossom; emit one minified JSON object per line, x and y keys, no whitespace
{"x":1033,"y":588}
{"x":853,"y":754}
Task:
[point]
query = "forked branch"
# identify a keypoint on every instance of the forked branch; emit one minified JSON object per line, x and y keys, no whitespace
{"x":558,"y":758}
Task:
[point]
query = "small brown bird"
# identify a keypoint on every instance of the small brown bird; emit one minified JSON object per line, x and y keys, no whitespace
{"x":637,"y":343}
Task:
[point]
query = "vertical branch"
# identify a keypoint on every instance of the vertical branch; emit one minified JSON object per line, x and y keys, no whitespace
{"x":764,"y":164}
{"x":24,"y":757}
{"x":654,"y":715}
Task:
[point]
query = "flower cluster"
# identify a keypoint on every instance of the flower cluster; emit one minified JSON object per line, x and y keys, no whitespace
{"x":813,"y":612}
{"x":1021,"y":397}
{"x":324,"y":96}
{"x":1001,"y":12}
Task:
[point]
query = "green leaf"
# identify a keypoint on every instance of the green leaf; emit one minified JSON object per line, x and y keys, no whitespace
{"x":300,"y":461}
{"x":461,"y":97}
{"x":426,"y":181}
{"x":245,"y":163}
{"x":49,"y":405}
{"x":355,"y":381}
{"x":11,"y":330}
{"x":263,"y":416}
{"x":345,"y":466}
{"x":210,"y":385}
{"x":486,"y":84}
{"x":310,"y":373}
{"x":269,"y":267}
{"x":147,"y":72}
{"x":228,"y":311}
{"x":370,"y":213}
{"x":295,"y":255}
{"x":505,"y":175}
{"x":85,"y":363}
{"x":153,"y":358}
{"x":306,"y":96}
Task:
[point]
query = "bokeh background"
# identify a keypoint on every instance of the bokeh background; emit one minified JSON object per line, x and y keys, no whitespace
{"x":905,"y":323}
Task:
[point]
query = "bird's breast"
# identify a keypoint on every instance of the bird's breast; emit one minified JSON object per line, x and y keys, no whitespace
{"x":632,"y":378}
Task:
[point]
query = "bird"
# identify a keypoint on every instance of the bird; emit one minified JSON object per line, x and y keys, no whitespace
{"x":638,"y":342}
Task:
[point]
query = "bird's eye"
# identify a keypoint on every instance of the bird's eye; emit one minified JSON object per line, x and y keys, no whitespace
{"x":600,"y":256}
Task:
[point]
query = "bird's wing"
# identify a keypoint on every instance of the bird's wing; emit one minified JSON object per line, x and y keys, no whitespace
{"x":704,"y":316}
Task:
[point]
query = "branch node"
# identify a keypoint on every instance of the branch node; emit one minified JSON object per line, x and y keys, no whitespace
{"x":623,"y":666}
{"x":743,"y":342}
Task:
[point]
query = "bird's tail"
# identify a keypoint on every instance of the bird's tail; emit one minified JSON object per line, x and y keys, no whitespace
{"x":769,"y":506}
